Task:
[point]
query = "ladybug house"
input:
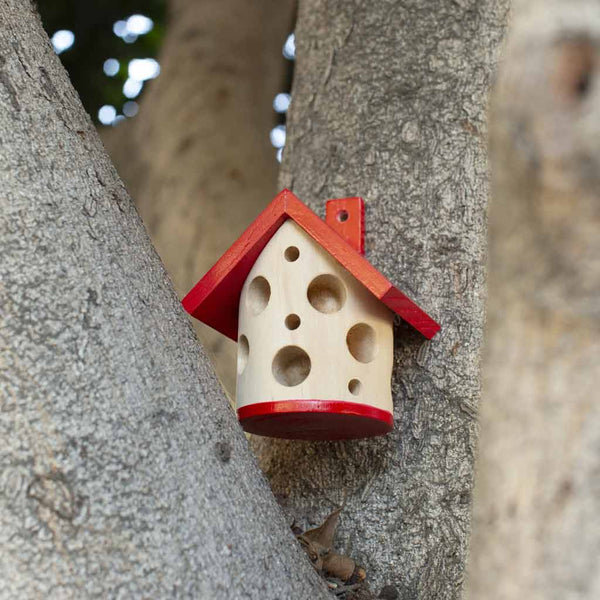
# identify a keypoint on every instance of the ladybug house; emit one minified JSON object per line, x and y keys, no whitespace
{"x":313,"y":320}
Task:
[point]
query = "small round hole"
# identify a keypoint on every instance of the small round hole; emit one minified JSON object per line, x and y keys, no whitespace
{"x":291,"y":366}
{"x":291,"y":253}
{"x":354,"y":387}
{"x":292,"y":321}
{"x":326,"y":293}
{"x":259,"y":294}
{"x":243,"y":354}
{"x":342,"y":216}
{"x":362,"y":343}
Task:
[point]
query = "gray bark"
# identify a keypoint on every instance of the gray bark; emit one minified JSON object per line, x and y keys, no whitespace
{"x":389,"y":103}
{"x":537,"y":503}
{"x":123,"y":472}
{"x":197,"y":159}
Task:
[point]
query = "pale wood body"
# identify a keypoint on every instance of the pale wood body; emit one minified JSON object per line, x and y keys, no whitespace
{"x":262,"y":377}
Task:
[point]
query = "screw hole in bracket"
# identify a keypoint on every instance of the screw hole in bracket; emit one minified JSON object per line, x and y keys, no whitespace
{"x":342,"y":216}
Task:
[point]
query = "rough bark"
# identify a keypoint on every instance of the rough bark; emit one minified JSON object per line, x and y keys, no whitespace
{"x":537,"y":505}
{"x":123,"y":471}
{"x":389,"y":103}
{"x":197,"y":159}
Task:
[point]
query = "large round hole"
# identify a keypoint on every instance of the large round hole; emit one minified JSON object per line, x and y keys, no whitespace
{"x":292,"y":321}
{"x":259,"y":293}
{"x":291,"y":366}
{"x":291,"y":253}
{"x":362,"y":342}
{"x":243,"y":354}
{"x":354,"y":387}
{"x":326,"y":293}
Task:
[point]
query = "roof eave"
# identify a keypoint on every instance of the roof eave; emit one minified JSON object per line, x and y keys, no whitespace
{"x":214,"y":300}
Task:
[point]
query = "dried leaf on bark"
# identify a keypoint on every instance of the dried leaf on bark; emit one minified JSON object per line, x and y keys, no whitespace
{"x":323,"y":535}
{"x":318,"y":543}
{"x":338,"y":565}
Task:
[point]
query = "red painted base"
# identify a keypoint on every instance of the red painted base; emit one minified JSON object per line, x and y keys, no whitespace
{"x":315,"y":420}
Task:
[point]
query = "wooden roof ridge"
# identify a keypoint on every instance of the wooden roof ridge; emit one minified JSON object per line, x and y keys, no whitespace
{"x":214,"y":300}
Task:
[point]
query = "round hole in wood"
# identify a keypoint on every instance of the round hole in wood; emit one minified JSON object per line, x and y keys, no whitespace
{"x":292,"y":321}
{"x":326,"y":293}
{"x":291,"y":366}
{"x":362,"y":342}
{"x":342,"y":216}
{"x":354,"y":387}
{"x":243,"y":354}
{"x":259,"y":293}
{"x":291,"y":253}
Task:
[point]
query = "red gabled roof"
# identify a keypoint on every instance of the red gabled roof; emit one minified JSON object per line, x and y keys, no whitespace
{"x":214,"y":300}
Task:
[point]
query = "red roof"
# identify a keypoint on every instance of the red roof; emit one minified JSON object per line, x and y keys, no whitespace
{"x":214,"y":300}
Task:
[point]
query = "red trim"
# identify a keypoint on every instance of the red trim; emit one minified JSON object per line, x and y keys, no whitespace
{"x":214,"y":300}
{"x":352,"y":227}
{"x":315,"y":419}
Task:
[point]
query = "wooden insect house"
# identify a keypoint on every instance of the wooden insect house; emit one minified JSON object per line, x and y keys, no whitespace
{"x":313,"y":322}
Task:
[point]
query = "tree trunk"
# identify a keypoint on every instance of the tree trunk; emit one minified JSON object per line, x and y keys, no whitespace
{"x":537,"y":506}
{"x":389,"y":103}
{"x":197,"y":159}
{"x":123,"y":471}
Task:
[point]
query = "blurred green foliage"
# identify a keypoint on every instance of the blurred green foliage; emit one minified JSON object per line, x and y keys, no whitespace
{"x":92,"y":23}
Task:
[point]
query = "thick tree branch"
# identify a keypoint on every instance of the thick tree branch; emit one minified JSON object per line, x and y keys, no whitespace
{"x":389,"y":103}
{"x":123,"y":471}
